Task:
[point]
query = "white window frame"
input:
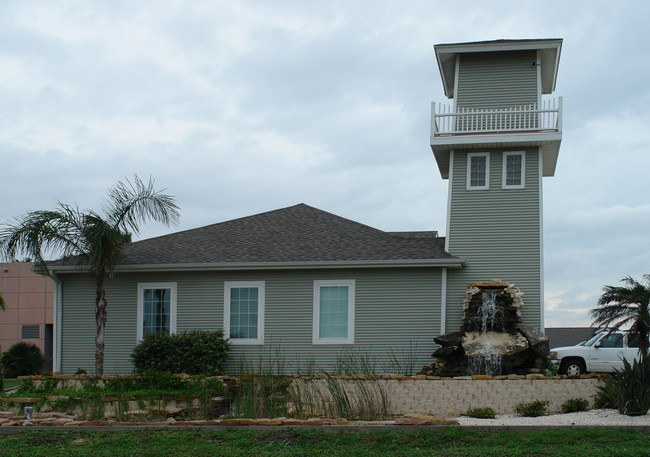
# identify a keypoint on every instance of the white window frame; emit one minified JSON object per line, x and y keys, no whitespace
{"x":523,"y":170}
{"x":261,"y":287}
{"x":487,"y":170}
{"x":172,"y":286}
{"x":350,"y":283}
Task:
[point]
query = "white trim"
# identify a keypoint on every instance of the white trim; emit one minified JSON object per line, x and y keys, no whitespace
{"x":261,"y":293}
{"x":172,"y":286}
{"x":541,"y":241}
{"x":504,"y":170}
{"x":449,"y":192}
{"x":350,"y":283}
{"x":56,"y":327}
{"x":443,"y":302}
{"x":469,"y":170}
{"x":457,"y":71}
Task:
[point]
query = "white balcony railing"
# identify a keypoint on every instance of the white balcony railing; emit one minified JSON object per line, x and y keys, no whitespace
{"x":526,"y":118}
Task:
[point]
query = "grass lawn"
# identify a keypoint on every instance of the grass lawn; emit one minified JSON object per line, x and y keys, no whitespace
{"x":296,"y":442}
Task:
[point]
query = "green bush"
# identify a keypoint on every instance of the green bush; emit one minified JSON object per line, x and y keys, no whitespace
{"x":196,"y":352}
{"x":627,"y":390}
{"x":575,"y":405}
{"x":22,"y":359}
{"x":533,"y":409}
{"x":482,"y":413}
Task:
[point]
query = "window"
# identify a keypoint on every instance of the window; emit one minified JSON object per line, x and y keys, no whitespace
{"x":244,"y":312}
{"x":334,"y":312}
{"x":514,"y":164}
{"x":615,"y":340}
{"x":478,"y":171}
{"x":156,"y":308}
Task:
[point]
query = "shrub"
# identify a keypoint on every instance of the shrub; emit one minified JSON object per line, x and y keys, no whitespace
{"x":196,"y":352}
{"x":22,"y":359}
{"x":482,"y":413}
{"x":627,"y":390}
{"x":533,"y":409}
{"x":575,"y":405}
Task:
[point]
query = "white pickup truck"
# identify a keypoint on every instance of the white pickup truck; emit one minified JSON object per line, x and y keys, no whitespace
{"x":600,"y":353}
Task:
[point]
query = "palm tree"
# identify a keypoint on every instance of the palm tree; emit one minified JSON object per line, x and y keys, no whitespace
{"x":628,"y":305}
{"x":90,"y":239}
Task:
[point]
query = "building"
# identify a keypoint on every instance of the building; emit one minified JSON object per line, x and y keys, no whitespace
{"x":305,"y":286}
{"x":29,"y":299}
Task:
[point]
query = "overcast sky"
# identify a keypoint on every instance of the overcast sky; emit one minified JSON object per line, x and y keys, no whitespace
{"x":243,"y":107}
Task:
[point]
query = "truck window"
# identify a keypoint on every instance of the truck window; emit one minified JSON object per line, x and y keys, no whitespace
{"x":612,"y":341}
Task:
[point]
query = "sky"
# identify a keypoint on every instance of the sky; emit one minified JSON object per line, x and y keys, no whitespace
{"x":241,"y":107}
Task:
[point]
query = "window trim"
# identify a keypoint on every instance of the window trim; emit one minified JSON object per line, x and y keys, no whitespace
{"x":505,"y":169}
{"x":172,"y":286}
{"x":261,"y":287}
{"x":351,"y":284}
{"x":469,"y":170}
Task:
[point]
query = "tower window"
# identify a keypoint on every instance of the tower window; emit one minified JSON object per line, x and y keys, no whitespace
{"x":513,"y":170}
{"x":478,"y":171}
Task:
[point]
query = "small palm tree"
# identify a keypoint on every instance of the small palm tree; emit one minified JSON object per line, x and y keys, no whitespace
{"x":90,"y":239}
{"x":628,"y":305}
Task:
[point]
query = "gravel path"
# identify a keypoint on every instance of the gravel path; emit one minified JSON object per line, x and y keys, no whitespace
{"x":593,"y":417}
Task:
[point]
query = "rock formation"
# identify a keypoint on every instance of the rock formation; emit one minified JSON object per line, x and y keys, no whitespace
{"x":491,"y":341}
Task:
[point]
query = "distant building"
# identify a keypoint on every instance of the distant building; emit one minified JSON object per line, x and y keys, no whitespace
{"x":568,"y":336}
{"x":29,"y":298}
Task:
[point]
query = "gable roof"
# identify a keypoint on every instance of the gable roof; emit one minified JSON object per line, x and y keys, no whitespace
{"x":299,"y":236}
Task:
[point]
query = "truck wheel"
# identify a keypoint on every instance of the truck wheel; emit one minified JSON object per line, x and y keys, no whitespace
{"x":573,"y":367}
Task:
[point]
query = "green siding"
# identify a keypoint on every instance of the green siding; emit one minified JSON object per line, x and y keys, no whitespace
{"x":498,"y":232}
{"x":497,"y":79}
{"x":396,"y":310}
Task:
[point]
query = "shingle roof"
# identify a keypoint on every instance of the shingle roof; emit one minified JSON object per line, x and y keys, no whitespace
{"x":298,"y":234}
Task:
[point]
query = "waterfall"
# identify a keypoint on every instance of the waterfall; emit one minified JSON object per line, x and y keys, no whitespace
{"x":492,"y":320}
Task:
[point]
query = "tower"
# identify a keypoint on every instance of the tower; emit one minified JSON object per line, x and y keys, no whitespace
{"x":496,"y":140}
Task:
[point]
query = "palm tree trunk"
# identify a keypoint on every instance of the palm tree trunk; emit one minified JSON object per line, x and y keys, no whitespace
{"x":100,"y":321}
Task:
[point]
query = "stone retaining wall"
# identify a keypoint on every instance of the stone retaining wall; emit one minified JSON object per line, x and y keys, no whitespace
{"x":454,"y":396}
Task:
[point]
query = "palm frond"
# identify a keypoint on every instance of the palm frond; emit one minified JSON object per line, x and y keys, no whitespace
{"x":3,"y":305}
{"x":132,"y":203}
{"x":37,"y":232}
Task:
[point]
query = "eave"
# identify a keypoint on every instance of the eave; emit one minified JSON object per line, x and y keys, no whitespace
{"x":239,"y":266}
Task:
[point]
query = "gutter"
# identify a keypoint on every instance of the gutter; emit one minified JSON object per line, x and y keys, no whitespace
{"x":217,"y":266}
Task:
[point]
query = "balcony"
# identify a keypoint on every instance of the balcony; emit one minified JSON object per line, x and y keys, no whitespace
{"x":510,"y":127}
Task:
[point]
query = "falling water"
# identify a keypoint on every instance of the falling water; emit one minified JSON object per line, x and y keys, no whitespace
{"x":491,"y":319}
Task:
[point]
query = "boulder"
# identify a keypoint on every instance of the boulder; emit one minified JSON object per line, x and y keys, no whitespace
{"x":537,"y":340}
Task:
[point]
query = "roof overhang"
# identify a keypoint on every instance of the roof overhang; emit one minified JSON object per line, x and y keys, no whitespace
{"x":549,"y":48}
{"x":217,"y":266}
{"x":548,"y":142}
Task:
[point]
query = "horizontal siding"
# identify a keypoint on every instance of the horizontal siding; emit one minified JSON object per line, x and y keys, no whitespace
{"x":396,"y":310}
{"x":497,"y":79}
{"x":498,"y":232}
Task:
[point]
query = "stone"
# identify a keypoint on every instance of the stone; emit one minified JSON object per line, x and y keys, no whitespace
{"x":537,"y":340}
{"x":449,"y":339}
{"x":445,"y":351}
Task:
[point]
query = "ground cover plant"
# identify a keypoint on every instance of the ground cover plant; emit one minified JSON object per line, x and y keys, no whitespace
{"x":154,"y":389}
{"x":575,"y":405}
{"x":448,"y":442}
{"x":533,"y":409}
{"x":482,"y":413}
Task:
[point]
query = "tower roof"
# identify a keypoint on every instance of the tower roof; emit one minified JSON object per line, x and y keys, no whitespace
{"x":549,"y":58}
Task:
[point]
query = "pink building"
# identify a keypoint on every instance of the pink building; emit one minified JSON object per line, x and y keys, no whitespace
{"x":29,"y":298}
